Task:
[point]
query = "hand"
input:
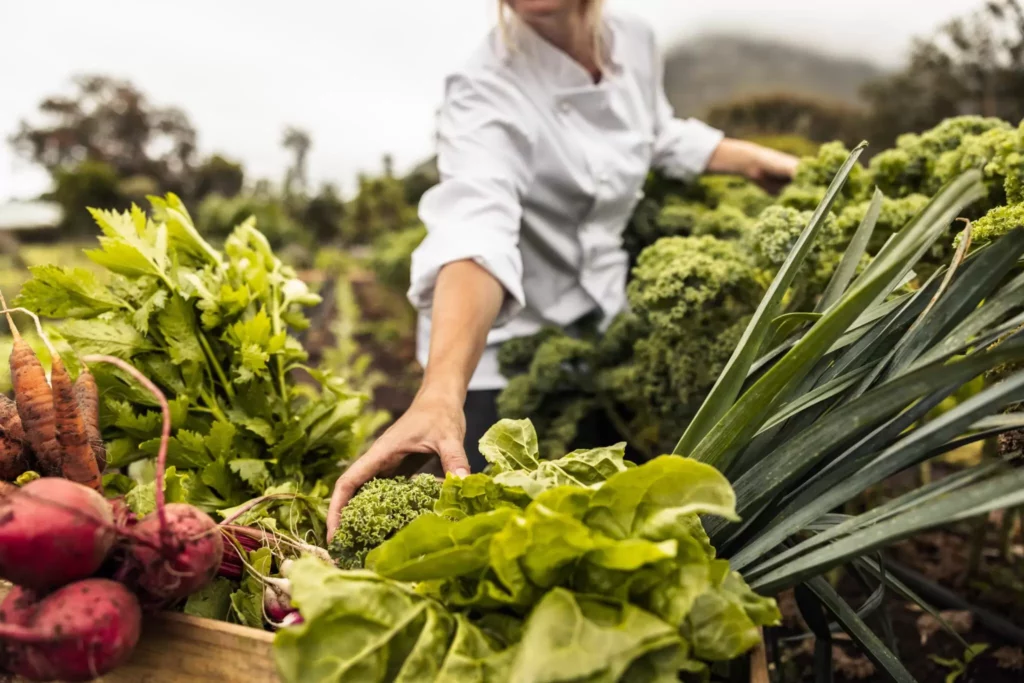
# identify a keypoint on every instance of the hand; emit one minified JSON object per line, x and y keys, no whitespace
{"x":771,"y":169}
{"x":767,"y":167}
{"x":433,"y":424}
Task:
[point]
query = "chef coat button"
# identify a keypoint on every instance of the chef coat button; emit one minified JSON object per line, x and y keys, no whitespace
{"x":565,"y":107}
{"x":640,"y":194}
{"x":604,"y":178}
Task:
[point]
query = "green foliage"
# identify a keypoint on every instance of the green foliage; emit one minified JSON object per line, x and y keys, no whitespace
{"x":215,"y":331}
{"x":391,"y":259}
{"x":775,"y":234}
{"x":218,"y":216}
{"x":380,"y":509}
{"x":910,"y":167}
{"x":703,"y":254}
{"x":584,"y":569}
{"x":89,"y":183}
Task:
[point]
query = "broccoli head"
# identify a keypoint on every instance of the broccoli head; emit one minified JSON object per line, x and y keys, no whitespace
{"x":380,"y":509}
{"x":516,"y":355}
{"x":802,"y":197}
{"x":913,"y":165}
{"x":996,"y":223}
{"x":717,"y":191}
{"x":775,"y":234}
{"x":819,"y":170}
{"x":726,"y":222}
{"x":693,"y":285}
{"x":895,"y":214}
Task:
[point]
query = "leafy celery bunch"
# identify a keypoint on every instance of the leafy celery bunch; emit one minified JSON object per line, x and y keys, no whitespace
{"x":215,"y":330}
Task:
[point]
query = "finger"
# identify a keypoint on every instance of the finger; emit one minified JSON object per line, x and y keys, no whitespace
{"x":453,"y":457}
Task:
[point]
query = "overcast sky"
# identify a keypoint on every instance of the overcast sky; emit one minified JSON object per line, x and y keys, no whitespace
{"x":363,"y":76}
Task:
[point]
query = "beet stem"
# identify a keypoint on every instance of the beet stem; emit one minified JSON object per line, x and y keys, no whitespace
{"x":165,"y":433}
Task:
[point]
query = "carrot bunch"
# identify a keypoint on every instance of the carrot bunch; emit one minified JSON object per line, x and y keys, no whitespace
{"x":50,"y":427}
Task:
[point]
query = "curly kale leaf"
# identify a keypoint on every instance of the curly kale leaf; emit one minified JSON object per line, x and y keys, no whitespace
{"x":380,"y":509}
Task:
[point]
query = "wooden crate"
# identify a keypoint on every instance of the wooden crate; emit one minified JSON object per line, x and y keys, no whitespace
{"x":178,"y":648}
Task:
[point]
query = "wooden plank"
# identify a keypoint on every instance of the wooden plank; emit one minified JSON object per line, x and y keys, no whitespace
{"x":178,"y":648}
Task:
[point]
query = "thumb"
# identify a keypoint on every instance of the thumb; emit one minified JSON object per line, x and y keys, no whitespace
{"x":360,"y":472}
{"x":453,"y":457}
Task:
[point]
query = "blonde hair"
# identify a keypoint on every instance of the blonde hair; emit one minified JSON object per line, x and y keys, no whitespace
{"x":592,"y":10}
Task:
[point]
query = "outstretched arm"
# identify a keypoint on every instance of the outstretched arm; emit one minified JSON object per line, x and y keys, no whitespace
{"x":466,"y":302}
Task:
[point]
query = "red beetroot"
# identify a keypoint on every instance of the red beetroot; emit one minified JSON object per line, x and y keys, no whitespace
{"x":177,"y":549}
{"x":18,"y":606}
{"x":52,"y":532}
{"x":190,"y":552}
{"x":77,"y":633}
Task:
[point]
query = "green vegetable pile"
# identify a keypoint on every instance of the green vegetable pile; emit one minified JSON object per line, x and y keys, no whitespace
{"x":704,"y":255}
{"x":215,"y":330}
{"x":581,"y":568}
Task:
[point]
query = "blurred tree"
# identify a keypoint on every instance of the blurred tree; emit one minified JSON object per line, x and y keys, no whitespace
{"x":972,"y":65}
{"x":109,"y":121}
{"x":217,"y":175}
{"x":379,"y":207}
{"x":298,"y":142}
{"x":89,"y":183}
{"x":324,"y":214}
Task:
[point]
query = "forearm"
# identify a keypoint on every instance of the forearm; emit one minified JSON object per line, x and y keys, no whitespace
{"x":733,"y":156}
{"x":467,"y":300}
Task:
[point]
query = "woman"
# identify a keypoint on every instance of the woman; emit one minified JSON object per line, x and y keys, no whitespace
{"x":545,"y":138}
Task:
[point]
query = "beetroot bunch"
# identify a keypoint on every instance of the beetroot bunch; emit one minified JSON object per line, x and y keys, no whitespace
{"x":85,"y":569}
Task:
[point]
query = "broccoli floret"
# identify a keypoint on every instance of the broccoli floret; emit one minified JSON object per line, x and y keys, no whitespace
{"x":516,"y":355}
{"x":818,"y":171}
{"x":717,"y":191}
{"x":913,"y":165}
{"x":895,"y":214}
{"x":802,"y":197}
{"x":725,"y":222}
{"x":995,"y":224}
{"x":693,"y":285}
{"x":775,"y":234}
{"x":380,"y":509}
{"x":679,"y":219}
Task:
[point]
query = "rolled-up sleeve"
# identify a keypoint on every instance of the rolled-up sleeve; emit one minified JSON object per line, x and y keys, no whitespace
{"x":474,"y":212}
{"x":682,"y":147}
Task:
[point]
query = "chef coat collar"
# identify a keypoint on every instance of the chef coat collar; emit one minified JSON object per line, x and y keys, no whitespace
{"x":565,"y":71}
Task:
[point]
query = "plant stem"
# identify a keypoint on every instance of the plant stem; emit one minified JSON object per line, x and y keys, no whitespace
{"x":212,"y":406}
{"x":275,"y":321}
{"x":228,"y":389}
{"x":165,"y":432}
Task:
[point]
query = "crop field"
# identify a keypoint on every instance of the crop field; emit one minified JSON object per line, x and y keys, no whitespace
{"x":797,"y":456}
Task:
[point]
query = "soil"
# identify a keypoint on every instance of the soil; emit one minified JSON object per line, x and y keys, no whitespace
{"x":995,"y":585}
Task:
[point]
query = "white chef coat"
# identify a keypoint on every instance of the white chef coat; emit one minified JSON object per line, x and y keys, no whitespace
{"x":540,"y":170}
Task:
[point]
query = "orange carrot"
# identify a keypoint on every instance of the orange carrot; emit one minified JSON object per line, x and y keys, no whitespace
{"x":88,"y":396}
{"x":14,"y":459}
{"x":79,"y":463}
{"x":34,"y":399}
